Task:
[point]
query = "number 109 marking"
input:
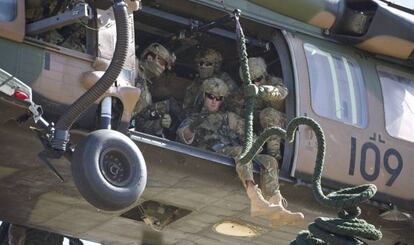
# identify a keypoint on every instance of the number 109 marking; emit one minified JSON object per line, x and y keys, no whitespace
{"x":370,"y":146}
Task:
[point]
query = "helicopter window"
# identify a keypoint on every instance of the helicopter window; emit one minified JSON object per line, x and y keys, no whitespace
{"x":343,"y":80}
{"x":398,"y":92}
{"x":8,"y":10}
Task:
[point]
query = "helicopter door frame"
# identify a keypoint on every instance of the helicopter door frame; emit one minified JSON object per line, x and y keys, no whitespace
{"x":338,"y":132}
{"x":12,"y":27}
{"x":280,"y":43}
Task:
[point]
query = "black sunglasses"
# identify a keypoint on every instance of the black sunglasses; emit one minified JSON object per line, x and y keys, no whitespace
{"x":213,"y":97}
{"x":203,"y":63}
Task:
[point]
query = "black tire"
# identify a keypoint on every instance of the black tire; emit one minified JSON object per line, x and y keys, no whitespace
{"x":109,"y":170}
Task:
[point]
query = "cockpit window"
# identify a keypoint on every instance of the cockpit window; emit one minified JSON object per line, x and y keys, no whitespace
{"x":8,"y":10}
{"x":337,"y":87}
{"x":398,"y":92}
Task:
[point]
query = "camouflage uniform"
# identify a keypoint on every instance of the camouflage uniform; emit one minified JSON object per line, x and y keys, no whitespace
{"x":146,"y":121}
{"x":220,"y":130}
{"x":270,"y":117}
{"x":72,"y":37}
{"x":34,"y":10}
{"x":39,"y":9}
{"x":75,"y":39}
{"x":192,"y":98}
{"x":223,"y":132}
{"x":52,"y":36}
{"x":272,"y":93}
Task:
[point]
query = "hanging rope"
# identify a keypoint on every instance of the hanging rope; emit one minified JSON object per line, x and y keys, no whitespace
{"x":339,"y":231}
{"x":250,"y":93}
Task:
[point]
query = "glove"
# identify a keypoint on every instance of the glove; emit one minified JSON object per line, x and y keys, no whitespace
{"x":162,"y":107}
{"x":166,"y":121}
{"x":197,"y":121}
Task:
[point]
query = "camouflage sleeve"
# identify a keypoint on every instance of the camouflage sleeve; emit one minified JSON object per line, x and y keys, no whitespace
{"x":142,"y":103}
{"x":235,"y":102}
{"x":191,"y":93}
{"x":144,"y":123}
{"x":236,"y":123}
{"x":274,"y":91}
{"x":229,"y":81}
{"x":180,"y":131}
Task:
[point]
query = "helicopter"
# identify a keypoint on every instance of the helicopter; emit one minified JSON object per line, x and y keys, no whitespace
{"x":72,"y":165}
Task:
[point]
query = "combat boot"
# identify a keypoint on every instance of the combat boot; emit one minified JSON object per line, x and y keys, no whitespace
{"x":278,"y":199}
{"x":258,"y":205}
{"x":284,"y":216}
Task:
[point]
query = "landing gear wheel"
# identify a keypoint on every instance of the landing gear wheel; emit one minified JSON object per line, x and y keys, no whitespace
{"x":109,"y":170}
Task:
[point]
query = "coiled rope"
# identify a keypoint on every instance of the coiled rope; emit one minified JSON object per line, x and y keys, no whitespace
{"x":345,"y":230}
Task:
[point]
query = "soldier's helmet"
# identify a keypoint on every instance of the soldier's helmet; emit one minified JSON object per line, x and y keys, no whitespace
{"x":215,"y":86}
{"x":257,"y":69}
{"x":208,"y":61}
{"x":270,"y":117}
{"x":162,"y":59}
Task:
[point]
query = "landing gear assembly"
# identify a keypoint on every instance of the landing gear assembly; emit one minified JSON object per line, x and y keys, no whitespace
{"x":109,"y":170}
{"x":107,"y":167}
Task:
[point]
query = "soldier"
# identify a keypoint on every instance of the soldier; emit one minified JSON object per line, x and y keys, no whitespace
{"x":208,"y":65}
{"x":223,"y":132}
{"x":152,"y":118}
{"x":272,"y":94}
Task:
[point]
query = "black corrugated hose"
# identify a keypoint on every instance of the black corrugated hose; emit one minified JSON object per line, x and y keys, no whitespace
{"x":61,"y":134}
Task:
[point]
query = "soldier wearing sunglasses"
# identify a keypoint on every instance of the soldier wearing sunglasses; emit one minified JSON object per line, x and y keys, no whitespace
{"x":208,"y":64}
{"x":222,"y":132}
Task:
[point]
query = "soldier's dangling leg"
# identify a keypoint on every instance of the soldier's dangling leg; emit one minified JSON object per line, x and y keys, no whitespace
{"x":269,"y":180}
{"x":270,"y":186}
{"x":273,"y":147}
{"x":258,"y":205}
{"x":270,"y":117}
{"x":245,"y":172}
